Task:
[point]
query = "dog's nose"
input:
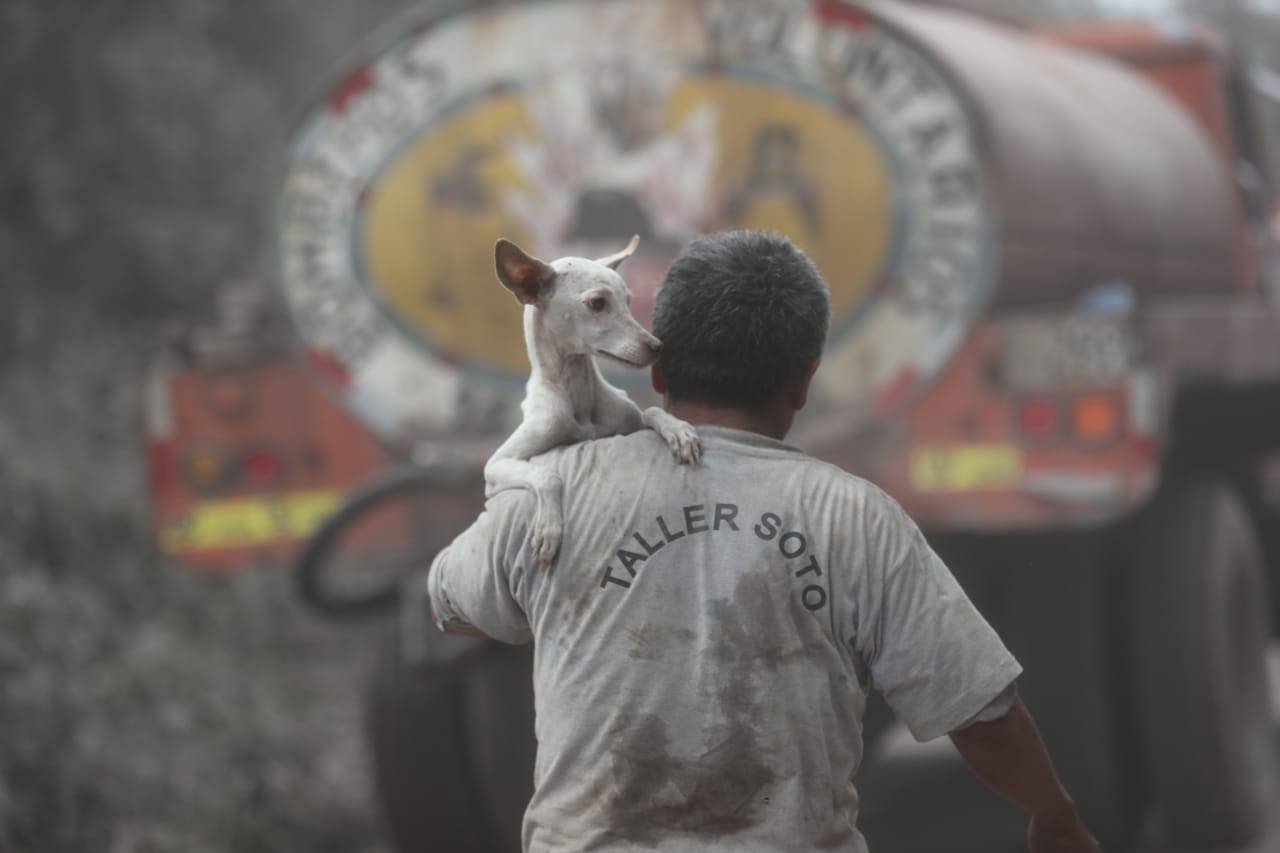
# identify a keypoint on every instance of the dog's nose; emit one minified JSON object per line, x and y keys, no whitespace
{"x":655,"y":347}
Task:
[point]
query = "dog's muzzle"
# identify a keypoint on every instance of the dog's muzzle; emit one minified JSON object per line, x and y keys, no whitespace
{"x":642,"y":355}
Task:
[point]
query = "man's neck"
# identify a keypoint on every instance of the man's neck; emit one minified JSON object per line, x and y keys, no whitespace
{"x":768,"y":422}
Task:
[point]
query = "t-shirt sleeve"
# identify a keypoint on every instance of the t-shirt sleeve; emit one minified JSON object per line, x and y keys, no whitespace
{"x":929,"y":651}
{"x":478,"y":580}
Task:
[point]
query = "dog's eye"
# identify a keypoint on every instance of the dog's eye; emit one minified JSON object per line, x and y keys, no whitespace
{"x":597,"y":303}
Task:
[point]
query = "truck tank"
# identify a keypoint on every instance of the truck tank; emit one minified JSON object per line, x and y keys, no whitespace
{"x":1096,"y":174}
{"x":929,"y":182}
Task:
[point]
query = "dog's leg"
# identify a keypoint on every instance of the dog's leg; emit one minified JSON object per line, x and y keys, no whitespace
{"x":548,"y":490}
{"x":680,"y":436}
{"x":617,"y":414}
{"x":510,"y":468}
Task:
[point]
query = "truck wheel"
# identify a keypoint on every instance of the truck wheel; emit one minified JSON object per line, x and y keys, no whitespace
{"x":1200,"y":636}
{"x":1057,"y":620}
{"x":410,"y":512}
{"x":1268,"y":527}
{"x":499,"y":709}
{"x":453,"y":749}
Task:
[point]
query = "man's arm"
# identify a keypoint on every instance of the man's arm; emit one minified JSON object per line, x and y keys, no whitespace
{"x":944,"y":670}
{"x":1009,"y":756}
{"x":457,"y":626}
{"x":476,"y":584}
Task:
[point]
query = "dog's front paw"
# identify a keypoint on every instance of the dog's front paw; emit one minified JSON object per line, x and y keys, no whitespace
{"x":544,"y":543}
{"x":683,"y":440}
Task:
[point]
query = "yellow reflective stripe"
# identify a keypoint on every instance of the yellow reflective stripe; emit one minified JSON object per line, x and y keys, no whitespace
{"x":966,"y":468}
{"x":249,"y":522}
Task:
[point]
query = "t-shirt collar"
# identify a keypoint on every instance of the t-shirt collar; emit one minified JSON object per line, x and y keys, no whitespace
{"x":742,"y":436}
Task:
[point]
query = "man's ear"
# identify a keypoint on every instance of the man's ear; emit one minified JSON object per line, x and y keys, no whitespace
{"x":615,"y":260}
{"x":522,"y":274}
{"x":799,"y":393}
{"x":658,"y":379}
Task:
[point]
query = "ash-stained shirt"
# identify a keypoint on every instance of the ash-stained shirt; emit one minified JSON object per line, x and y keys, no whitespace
{"x":705,"y":641}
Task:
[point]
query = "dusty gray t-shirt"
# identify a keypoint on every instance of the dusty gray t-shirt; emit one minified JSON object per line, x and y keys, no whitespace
{"x":706,"y":639}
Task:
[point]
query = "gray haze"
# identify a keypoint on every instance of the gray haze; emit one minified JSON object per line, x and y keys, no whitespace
{"x":147,"y":708}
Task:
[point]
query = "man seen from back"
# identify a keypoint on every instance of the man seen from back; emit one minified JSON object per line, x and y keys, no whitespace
{"x":707,"y":638}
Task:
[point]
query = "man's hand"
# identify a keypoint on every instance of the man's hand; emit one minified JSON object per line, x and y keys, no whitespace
{"x":1060,"y":836}
{"x":1010,"y":757}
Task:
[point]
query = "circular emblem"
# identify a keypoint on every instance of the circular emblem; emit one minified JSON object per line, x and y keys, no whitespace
{"x":569,"y":126}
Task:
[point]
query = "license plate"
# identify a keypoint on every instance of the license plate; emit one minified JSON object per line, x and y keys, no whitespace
{"x":1047,"y":355}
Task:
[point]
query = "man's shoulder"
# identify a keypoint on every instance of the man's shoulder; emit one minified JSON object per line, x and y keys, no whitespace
{"x":619,"y":451}
{"x":840,"y":477}
{"x":624,"y":454}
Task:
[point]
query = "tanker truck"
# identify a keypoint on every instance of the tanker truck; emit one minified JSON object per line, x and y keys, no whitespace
{"x":1055,"y":339}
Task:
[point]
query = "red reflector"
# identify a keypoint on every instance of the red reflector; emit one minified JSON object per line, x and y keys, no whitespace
{"x":262,"y":466}
{"x":1096,"y":417}
{"x":205,"y":468}
{"x":1038,"y":418}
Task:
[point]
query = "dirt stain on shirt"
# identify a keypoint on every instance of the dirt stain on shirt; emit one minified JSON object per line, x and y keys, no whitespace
{"x":725,"y":787}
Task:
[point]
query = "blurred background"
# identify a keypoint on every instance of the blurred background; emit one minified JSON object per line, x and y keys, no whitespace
{"x":251,"y":359}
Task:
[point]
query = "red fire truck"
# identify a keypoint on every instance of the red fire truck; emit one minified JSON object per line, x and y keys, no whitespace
{"x":1055,"y":340}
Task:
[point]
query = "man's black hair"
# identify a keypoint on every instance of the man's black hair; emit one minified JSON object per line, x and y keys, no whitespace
{"x":741,"y":316}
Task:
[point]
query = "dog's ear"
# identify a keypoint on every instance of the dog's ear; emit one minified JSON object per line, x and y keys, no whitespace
{"x":522,"y":274}
{"x":615,"y":261}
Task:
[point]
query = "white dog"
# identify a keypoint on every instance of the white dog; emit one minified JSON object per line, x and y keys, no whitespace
{"x":574,"y":310}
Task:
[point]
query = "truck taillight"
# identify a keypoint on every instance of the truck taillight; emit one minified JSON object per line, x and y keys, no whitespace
{"x":1039,"y":418}
{"x":205,"y":469}
{"x":1092,"y":418}
{"x":1095,"y":418}
{"x":262,"y":467}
